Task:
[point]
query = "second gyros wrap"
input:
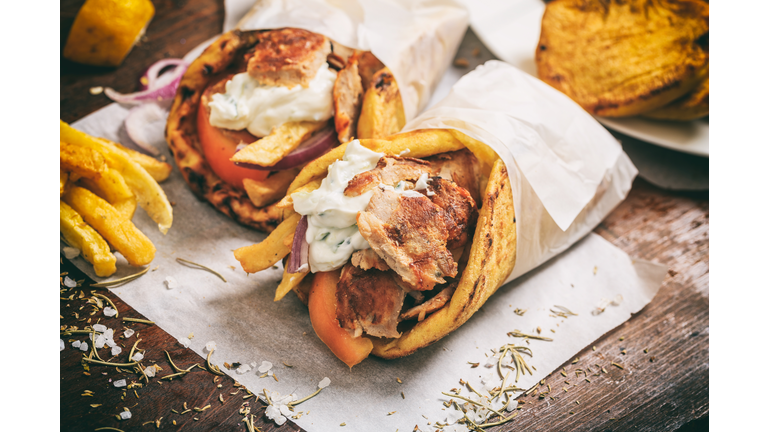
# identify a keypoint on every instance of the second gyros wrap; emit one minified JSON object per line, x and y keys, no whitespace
{"x":295,"y":79}
{"x":394,"y":243}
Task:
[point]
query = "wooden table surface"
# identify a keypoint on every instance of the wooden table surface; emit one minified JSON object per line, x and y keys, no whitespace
{"x":665,"y":388}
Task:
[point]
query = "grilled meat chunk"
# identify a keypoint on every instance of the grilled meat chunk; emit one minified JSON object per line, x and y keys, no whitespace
{"x":459,"y":210}
{"x":368,"y":301}
{"x":461,"y":167}
{"x":288,"y":57}
{"x":368,"y":259}
{"x":410,"y":233}
{"x":389,"y":171}
{"x":431,"y":305}
{"x":347,"y":99}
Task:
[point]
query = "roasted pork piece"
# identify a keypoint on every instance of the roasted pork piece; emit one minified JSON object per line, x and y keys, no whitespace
{"x":410,"y":233}
{"x":461,"y":167}
{"x":368,"y":301}
{"x":288,"y":57}
{"x":389,"y":171}
{"x":431,"y":305}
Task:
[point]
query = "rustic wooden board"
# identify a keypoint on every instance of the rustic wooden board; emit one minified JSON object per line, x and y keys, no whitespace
{"x":666,"y":388}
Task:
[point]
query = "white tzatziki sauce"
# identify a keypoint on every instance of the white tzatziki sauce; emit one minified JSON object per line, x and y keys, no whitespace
{"x":332,"y":231}
{"x":247,"y":104}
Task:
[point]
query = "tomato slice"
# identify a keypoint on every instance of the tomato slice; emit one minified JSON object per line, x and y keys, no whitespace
{"x":220,"y":144}
{"x":322,"y":314}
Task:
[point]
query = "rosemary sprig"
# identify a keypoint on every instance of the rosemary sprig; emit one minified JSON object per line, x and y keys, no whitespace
{"x":101,"y":296}
{"x":564,"y":312}
{"x":212,"y":368}
{"x":500,"y":422}
{"x":519,"y":334}
{"x":105,"y":363}
{"x":138,"y":320}
{"x":191,"y":264}
{"x":133,"y":349}
{"x":474,"y":403}
{"x":304,"y":399}
{"x":123,"y":280}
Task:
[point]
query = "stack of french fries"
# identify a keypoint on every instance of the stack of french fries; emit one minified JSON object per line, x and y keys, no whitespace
{"x":101,"y":184}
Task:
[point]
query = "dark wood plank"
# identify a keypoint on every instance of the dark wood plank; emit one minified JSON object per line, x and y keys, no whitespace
{"x":154,"y":400}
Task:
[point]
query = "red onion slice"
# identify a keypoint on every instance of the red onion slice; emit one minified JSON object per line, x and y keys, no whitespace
{"x":165,"y":88}
{"x":311,"y":149}
{"x":145,"y":125}
{"x":298,"y":262}
{"x":150,"y":77}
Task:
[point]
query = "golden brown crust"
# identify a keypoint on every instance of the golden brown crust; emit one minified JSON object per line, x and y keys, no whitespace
{"x":288,"y":57}
{"x":224,"y":56}
{"x":491,"y":260}
{"x":621,"y":58}
{"x":347,"y":99}
{"x":689,"y":107}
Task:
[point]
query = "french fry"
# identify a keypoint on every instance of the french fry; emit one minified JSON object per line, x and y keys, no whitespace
{"x":421,"y":143}
{"x":84,"y":162}
{"x":92,"y":246}
{"x":63,"y":177}
{"x":137,"y":249}
{"x":287,"y":201}
{"x":382,"y":113}
{"x":265,"y":192}
{"x":157,"y":169}
{"x":275,"y":146}
{"x":112,"y":187}
{"x":148,"y":193}
{"x":260,"y":256}
{"x":289,"y":282}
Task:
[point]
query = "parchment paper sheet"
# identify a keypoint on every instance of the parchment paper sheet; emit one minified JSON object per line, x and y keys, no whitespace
{"x":416,"y":39}
{"x":248,"y":326}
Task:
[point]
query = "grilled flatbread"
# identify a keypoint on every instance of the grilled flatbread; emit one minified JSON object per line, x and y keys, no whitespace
{"x":622,"y":58}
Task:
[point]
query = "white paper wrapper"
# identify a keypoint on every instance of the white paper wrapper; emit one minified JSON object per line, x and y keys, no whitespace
{"x":567,"y":172}
{"x":415,"y":39}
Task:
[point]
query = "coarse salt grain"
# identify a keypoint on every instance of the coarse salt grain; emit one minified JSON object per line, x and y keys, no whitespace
{"x":185,"y":342}
{"x":453,"y":416}
{"x":84,"y":346}
{"x":150,"y":371}
{"x":68,"y":282}
{"x":76,"y":344}
{"x":210,"y":346}
{"x":111,"y":343}
{"x":243,"y":369}
{"x":325,"y":382}
{"x":116,"y":350}
{"x":70,"y":252}
{"x":265,"y":366}
{"x":512,"y":405}
{"x":99,"y":342}
{"x":109,"y":312}
{"x":137,"y":357}
{"x":128,"y":333}
{"x":125,"y":415}
{"x":100,"y":328}
{"x":61,"y":344}
{"x":120,"y":383}
{"x":170,"y":282}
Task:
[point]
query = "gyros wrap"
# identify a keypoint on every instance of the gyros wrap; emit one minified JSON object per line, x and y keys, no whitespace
{"x":294,"y":80}
{"x":548,"y":173}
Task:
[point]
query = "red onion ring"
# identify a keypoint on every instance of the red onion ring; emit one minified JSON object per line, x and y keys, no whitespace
{"x":316,"y":146}
{"x":165,"y":88}
{"x":150,"y":77}
{"x":138,"y":124}
{"x":298,"y":262}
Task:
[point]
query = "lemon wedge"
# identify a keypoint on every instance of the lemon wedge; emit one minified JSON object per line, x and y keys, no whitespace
{"x":104,"y":31}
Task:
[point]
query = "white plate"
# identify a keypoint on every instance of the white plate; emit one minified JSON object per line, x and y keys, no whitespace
{"x":510,"y":29}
